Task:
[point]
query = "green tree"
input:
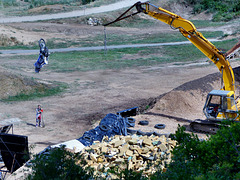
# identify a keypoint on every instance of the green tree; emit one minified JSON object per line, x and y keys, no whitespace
{"x":223,"y":10}
{"x":215,"y":158}
{"x":58,"y":163}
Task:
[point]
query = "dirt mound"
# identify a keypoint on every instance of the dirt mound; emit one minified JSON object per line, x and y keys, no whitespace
{"x":47,"y":9}
{"x":8,"y":41}
{"x":12,"y":85}
{"x":181,"y":105}
{"x":188,"y":99}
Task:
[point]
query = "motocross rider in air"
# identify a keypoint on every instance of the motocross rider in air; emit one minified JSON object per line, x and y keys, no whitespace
{"x":43,"y":56}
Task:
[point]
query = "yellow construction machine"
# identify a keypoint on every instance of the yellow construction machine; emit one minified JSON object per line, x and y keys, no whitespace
{"x":220,"y":104}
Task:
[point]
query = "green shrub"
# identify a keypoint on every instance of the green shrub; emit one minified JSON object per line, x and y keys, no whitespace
{"x":7,"y":3}
{"x":58,"y":164}
{"x":223,"y":10}
{"x":87,"y":1}
{"x":216,"y":158}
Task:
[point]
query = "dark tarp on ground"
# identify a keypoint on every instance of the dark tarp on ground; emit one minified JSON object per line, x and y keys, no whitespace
{"x":110,"y":125}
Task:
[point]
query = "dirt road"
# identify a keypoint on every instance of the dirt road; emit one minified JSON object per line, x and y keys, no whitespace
{"x":95,"y":10}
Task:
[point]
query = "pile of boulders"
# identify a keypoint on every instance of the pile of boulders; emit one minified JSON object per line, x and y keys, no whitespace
{"x":94,"y":22}
{"x":138,"y":153}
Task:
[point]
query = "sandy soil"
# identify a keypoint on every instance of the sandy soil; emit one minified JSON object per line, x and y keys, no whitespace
{"x":95,"y":94}
{"x":92,"y":95}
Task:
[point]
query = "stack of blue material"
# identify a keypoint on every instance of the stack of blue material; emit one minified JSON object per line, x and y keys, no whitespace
{"x":110,"y":125}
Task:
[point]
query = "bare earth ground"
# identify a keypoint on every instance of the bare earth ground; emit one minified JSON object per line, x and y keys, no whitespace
{"x":92,"y":95}
{"x":95,"y":94}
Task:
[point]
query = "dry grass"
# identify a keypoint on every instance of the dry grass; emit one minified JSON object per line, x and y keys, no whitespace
{"x":6,"y":41}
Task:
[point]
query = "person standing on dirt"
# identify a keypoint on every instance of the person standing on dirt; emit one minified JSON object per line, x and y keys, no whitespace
{"x":43,"y":56}
{"x":39,"y":112}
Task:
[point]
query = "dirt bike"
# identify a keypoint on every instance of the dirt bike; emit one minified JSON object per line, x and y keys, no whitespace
{"x":43,"y":56}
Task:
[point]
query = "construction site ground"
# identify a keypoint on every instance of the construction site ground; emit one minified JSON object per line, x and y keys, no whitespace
{"x":179,"y":91}
{"x":69,"y":115}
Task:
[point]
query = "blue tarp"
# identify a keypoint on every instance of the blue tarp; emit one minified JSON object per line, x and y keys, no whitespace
{"x":110,"y":125}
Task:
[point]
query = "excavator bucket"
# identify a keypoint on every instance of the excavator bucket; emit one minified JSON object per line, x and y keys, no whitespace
{"x":234,"y":52}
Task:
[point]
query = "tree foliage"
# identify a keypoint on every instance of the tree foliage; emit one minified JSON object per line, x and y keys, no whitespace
{"x":216,"y":158}
{"x":59,"y":164}
{"x":223,"y":10}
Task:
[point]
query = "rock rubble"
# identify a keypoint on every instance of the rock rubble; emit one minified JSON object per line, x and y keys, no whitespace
{"x":137,"y":153}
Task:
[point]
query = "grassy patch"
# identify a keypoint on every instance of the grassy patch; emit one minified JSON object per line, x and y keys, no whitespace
{"x":39,"y":92}
{"x":212,"y":34}
{"x":20,"y":8}
{"x":18,"y":47}
{"x":225,"y":45}
{"x":175,"y":36}
{"x":61,"y":43}
{"x":130,"y":57}
{"x":98,"y":60}
{"x":121,"y":58}
{"x":124,"y":58}
{"x":51,"y":43}
{"x":113,"y":39}
{"x":207,"y":23}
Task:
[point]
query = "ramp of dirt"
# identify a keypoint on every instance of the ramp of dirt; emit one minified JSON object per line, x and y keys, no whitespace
{"x":13,"y":85}
{"x":181,"y":105}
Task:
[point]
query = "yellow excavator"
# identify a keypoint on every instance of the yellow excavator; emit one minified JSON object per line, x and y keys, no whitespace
{"x":220,"y":104}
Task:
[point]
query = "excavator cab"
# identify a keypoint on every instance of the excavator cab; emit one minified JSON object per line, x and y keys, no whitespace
{"x":220,"y":105}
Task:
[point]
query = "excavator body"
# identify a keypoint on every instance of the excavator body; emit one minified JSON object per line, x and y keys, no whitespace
{"x":220,"y":105}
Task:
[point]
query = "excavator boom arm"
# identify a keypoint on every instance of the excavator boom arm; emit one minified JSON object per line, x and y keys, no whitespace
{"x":188,"y":30}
